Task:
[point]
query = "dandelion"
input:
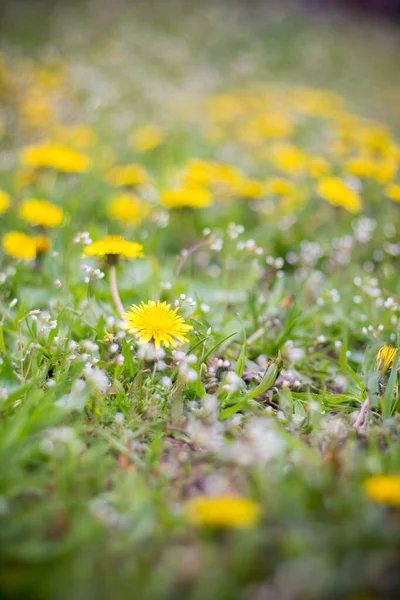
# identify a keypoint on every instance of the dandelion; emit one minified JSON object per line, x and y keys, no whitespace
{"x":384,"y":489}
{"x":189,"y":196}
{"x":223,"y":511}
{"x":127,"y":175}
{"x":128,"y":209}
{"x":19,"y":245}
{"x":41,"y":213}
{"x":157,"y":322}
{"x":52,"y":156}
{"x":146,"y":138}
{"x":113,"y":247}
{"x":385,"y":358}
{"x":5,"y":201}
{"x":335,"y":191}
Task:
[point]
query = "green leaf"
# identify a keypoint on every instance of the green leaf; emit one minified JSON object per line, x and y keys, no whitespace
{"x":207,"y":354}
{"x":267,"y":381}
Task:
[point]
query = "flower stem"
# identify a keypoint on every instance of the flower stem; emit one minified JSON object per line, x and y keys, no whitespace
{"x":362,"y":413}
{"x":114,"y":290}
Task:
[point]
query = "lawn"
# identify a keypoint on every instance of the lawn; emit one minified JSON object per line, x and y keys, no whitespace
{"x":199,"y":302}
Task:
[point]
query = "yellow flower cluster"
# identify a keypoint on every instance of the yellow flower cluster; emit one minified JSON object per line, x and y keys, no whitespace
{"x":24,"y":247}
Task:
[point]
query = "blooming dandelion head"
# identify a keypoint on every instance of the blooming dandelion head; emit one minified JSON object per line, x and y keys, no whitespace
{"x":41,"y":213}
{"x":223,"y":511}
{"x":52,"y":156}
{"x":114,"y":246}
{"x":19,"y":245}
{"x":157,"y":322}
{"x":127,"y":208}
{"x":190,"y":196}
{"x":385,"y":357}
{"x":335,"y":191}
{"x":131,"y":175}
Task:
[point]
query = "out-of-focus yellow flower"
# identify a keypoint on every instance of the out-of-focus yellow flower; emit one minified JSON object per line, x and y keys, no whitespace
{"x":385,"y":357}
{"x":393,"y":192}
{"x":223,"y":511}
{"x":315,"y":166}
{"x":131,"y":175}
{"x":362,"y":166}
{"x":385,"y":170}
{"x":41,"y":213}
{"x":146,"y":138}
{"x":190,"y":196}
{"x":53,"y":156}
{"x":273,"y":125}
{"x":335,"y":191}
{"x":157,"y":322}
{"x":43,"y":244}
{"x":249,"y":188}
{"x":128,"y":209}
{"x":19,"y":245}
{"x":5,"y":201}
{"x":279,"y":186}
{"x":384,"y":489}
{"x":114,"y":245}
{"x":288,"y":158}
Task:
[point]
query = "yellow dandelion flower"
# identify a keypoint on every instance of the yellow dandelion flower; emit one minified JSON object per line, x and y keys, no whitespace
{"x":226,"y":510}
{"x":362,"y":166}
{"x":41,"y":213}
{"x":384,"y":489}
{"x":127,"y":208}
{"x":114,"y":246}
{"x":146,"y":138}
{"x":279,"y":186}
{"x":43,"y":244}
{"x":157,"y":322}
{"x":335,"y":191}
{"x":82,"y":136}
{"x":54,"y":156}
{"x":288,"y":158}
{"x":5,"y":201}
{"x":127,"y":175}
{"x":190,"y":196}
{"x":385,"y":357}
{"x":19,"y":245}
{"x":393,"y":192}
{"x":249,"y":188}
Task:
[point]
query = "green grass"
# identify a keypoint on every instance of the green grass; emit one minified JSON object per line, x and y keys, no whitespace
{"x":94,"y":478}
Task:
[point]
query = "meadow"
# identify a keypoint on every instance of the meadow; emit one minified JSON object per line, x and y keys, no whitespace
{"x":199,"y":303}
